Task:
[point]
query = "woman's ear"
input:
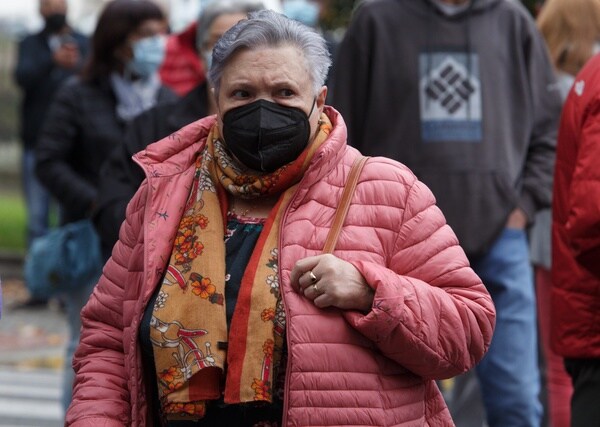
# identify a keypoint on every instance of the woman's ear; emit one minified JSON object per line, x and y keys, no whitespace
{"x":214,"y":100}
{"x":321,"y":96}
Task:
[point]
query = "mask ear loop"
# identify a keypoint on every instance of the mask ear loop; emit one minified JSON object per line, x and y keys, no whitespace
{"x":312,"y":108}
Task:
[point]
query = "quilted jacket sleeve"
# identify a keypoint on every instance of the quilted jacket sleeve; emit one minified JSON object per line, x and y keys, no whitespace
{"x":59,"y":138}
{"x":101,"y":392}
{"x":431,"y":312}
{"x":583,"y":220}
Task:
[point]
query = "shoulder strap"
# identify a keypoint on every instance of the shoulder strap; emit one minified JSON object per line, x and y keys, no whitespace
{"x":342,"y":209}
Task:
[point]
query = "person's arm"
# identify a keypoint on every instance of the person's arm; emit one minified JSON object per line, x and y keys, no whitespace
{"x":431,"y":313}
{"x":583,"y":222}
{"x":34,"y":64}
{"x":546,"y":106}
{"x":60,"y":135}
{"x":120,"y":178}
{"x":101,"y":395}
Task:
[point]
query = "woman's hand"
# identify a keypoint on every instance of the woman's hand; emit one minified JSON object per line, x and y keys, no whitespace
{"x":331,"y":282}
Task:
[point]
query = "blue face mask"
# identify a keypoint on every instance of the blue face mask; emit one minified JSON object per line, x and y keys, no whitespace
{"x":207,"y":58}
{"x":148,"y":55}
{"x":303,"y":11}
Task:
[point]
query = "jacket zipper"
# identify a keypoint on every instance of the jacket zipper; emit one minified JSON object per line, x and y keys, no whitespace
{"x":286,"y":392}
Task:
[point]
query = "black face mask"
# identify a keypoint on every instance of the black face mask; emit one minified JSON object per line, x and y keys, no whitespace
{"x":55,"y":22}
{"x":265,"y":136}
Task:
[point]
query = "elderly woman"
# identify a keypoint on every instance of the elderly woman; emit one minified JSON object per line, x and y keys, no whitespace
{"x":218,"y":306}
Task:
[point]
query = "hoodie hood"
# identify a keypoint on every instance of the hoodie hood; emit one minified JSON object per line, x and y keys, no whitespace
{"x":474,"y":6}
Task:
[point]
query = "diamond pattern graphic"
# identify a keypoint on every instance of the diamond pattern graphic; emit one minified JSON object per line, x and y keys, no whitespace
{"x":450,"y":86}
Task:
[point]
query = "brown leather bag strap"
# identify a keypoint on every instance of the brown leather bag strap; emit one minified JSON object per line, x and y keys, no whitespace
{"x":342,"y":209}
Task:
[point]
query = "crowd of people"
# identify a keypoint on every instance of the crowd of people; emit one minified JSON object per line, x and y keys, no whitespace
{"x":213,"y":161}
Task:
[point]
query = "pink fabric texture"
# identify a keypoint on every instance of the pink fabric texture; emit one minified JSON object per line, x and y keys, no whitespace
{"x":432,"y":318}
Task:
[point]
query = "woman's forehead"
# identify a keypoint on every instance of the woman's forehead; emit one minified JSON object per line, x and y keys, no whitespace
{"x":275,"y":62}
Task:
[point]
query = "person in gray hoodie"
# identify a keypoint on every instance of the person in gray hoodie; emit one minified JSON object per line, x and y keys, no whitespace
{"x":463,"y":93}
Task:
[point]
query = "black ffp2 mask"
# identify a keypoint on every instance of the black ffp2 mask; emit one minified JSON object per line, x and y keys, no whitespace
{"x":264,"y":135}
{"x":55,"y":22}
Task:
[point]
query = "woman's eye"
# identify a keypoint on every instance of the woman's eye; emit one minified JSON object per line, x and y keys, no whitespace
{"x":240,"y":93}
{"x":286,"y":93}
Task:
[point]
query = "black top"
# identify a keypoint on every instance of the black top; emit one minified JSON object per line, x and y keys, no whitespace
{"x":242,"y":235}
{"x":81,"y":130}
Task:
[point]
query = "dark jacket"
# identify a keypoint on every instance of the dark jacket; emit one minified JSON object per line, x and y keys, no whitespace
{"x":39,"y":77}
{"x":80,"y":131}
{"x":468,"y":102}
{"x":575,"y":300}
{"x":121,"y":177}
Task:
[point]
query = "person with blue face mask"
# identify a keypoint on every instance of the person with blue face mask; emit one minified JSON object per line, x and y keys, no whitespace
{"x":87,"y":119}
{"x":138,"y":83}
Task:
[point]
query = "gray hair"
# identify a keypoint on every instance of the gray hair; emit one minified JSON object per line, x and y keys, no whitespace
{"x":271,"y":29}
{"x":216,"y":8}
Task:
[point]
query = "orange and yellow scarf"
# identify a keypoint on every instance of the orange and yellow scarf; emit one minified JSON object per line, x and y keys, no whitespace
{"x":188,"y":329}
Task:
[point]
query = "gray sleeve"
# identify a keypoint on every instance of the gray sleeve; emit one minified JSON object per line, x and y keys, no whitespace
{"x":545,"y":95}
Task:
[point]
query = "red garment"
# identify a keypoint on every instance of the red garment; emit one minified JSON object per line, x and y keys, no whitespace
{"x":576,"y":221}
{"x":182,"y":69}
{"x":432,"y":318}
{"x":558,"y":381}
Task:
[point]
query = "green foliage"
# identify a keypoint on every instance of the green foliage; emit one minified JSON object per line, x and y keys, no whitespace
{"x":9,"y":93}
{"x":337,"y":13}
{"x":12,"y":223}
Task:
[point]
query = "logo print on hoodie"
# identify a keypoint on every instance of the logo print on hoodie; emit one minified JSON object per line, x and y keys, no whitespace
{"x":450,"y":97}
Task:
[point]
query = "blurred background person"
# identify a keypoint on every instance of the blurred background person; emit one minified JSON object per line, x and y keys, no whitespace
{"x":182,"y":69}
{"x":571,"y":29}
{"x":575,"y":296}
{"x":87,"y":119}
{"x":44,"y":61}
{"x":472,"y":108}
{"x":120,"y":175}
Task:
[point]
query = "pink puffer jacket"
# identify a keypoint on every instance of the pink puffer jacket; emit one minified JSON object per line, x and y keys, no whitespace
{"x":432,"y":318}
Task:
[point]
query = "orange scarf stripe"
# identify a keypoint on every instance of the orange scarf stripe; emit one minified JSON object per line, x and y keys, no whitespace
{"x":237,"y":357}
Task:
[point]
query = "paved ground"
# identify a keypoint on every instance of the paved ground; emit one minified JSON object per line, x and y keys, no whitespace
{"x":32,"y":348}
{"x":30,"y":337}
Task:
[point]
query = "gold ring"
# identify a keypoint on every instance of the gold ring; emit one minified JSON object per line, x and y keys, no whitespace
{"x":315,"y":288}
{"x":313,"y":278}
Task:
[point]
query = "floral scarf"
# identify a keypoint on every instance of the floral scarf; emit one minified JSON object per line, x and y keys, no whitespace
{"x":188,"y":329}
